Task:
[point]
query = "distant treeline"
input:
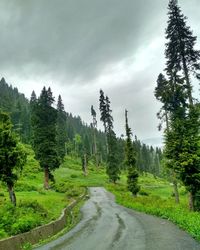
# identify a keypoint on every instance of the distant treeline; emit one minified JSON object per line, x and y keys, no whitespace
{"x":79,"y":135}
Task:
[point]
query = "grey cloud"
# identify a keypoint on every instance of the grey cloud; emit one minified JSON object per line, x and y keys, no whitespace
{"x":72,"y":42}
{"x":73,"y":38}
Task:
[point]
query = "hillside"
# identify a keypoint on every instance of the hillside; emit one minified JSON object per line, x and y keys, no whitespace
{"x":155,"y":197}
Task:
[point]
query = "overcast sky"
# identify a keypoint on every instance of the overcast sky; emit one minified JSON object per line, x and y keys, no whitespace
{"x":80,"y":46}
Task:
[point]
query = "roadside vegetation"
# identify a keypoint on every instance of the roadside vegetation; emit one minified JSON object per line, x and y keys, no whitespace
{"x":48,"y":157}
{"x":36,"y":205}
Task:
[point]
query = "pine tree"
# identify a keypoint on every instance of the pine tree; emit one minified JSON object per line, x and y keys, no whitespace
{"x":61,"y":133}
{"x":180,"y":53}
{"x":182,"y":61}
{"x":44,"y":141}
{"x":168,"y":93}
{"x":12,"y":155}
{"x":94,"y":127}
{"x":132,"y":178}
{"x":102,"y":108}
{"x":113,"y":167}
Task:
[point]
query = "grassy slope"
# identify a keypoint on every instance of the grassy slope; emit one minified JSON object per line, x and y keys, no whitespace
{"x":155,"y":197}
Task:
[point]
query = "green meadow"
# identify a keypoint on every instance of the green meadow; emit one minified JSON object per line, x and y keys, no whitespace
{"x":37,"y":206}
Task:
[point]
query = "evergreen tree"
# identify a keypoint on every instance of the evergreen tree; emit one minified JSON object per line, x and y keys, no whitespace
{"x":182,"y":134}
{"x":94,"y":127}
{"x":33,"y":107}
{"x":61,"y":137}
{"x":17,"y":105}
{"x":113,"y":167}
{"x":44,"y":141}
{"x":168,"y":92}
{"x":132,"y":178}
{"x":180,"y":53}
{"x":12,"y":155}
{"x":102,"y":108}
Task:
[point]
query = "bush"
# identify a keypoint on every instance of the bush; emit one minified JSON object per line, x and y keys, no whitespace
{"x":2,"y":194}
{"x":34,"y":206}
{"x":27,"y":215}
{"x":143,"y":192}
{"x":23,"y":186}
{"x":25,"y":224}
{"x":74,"y":176}
{"x":3,"y":234}
{"x":60,"y":187}
{"x":41,"y":191}
{"x":73,"y":192}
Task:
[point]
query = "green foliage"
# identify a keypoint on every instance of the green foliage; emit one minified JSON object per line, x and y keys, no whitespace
{"x":24,"y":186}
{"x":180,"y":50}
{"x":17,"y":105}
{"x":61,"y":187}
{"x":12,"y":155}
{"x":181,"y":114}
{"x":113,"y":165}
{"x":132,"y":181}
{"x":44,"y":118}
{"x":143,"y":192}
{"x":61,"y":134}
{"x":132,"y":178}
{"x":182,"y":147}
{"x":70,"y":190}
{"x":21,"y":219}
{"x":27,"y":246}
{"x":164,"y":208}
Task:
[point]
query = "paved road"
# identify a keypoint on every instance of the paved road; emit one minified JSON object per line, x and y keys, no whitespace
{"x":108,"y":226}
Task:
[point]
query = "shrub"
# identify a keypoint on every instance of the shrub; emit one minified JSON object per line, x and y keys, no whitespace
{"x":143,"y":192}
{"x":23,"y":186}
{"x":3,"y":234}
{"x":25,"y":223}
{"x":73,"y":192}
{"x":34,"y":206}
{"x":41,"y":191}
{"x":74,"y":176}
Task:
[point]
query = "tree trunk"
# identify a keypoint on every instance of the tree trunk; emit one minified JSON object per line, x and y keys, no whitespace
{"x":174,"y":181}
{"x":84,"y":164}
{"x":95,"y":148}
{"x":46,"y":178}
{"x":12,"y":194}
{"x":176,"y":194}
{"x":191,"y":202}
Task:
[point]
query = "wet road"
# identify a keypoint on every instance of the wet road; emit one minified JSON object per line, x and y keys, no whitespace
{"x":108,"y":226}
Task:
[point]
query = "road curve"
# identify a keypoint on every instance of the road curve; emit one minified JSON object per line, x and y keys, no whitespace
{"x":108,"y":226}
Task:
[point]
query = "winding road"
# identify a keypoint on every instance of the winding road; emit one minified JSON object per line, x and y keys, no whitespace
{"x":108,"y":226}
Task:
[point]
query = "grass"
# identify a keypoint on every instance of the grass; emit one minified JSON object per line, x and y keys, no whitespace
{"x":35,"y":205}
{"x":154,"y":198}
{"x":159,"y":202}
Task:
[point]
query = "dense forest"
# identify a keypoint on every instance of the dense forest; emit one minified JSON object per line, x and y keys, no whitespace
{"x":77,"y":134}
{"x":45,"y":150}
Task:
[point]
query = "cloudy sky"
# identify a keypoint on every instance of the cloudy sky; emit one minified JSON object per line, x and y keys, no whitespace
{"x":80,"y":46}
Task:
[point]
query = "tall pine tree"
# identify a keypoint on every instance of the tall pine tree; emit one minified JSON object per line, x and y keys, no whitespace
{"x":94,"y":127}
{"x":132,"y":178}
{"x":61,"y":131}
{"x":113,"y":167}
{"x":180,"y":52}
{"x":44,"y":141}
{"x":182,"y":60}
